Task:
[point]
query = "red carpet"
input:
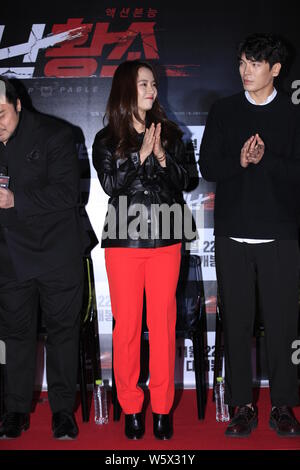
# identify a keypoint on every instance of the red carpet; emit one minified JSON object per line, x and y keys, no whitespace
{"x":189,"y":432}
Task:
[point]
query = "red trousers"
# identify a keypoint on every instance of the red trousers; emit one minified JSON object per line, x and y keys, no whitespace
{"x":130,"y":271}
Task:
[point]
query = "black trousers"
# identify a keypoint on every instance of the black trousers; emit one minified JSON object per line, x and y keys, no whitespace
{"x":272,"y":271}
{"x":59,"y":295}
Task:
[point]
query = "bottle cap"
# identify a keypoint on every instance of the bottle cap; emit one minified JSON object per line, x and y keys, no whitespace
{"x":219,"y":379}
{"x":99,"y":382}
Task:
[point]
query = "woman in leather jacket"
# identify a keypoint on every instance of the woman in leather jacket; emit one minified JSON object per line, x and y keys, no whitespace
{"x":140,"y":161}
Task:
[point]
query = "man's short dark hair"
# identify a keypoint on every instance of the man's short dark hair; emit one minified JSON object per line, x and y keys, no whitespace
{"x":11,"y":93}
{"x":264,"y":46}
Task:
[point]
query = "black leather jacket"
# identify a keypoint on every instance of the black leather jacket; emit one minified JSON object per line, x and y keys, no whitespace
{"x":137,"y":192}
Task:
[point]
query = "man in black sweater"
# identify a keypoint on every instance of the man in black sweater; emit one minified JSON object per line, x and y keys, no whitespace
{"x":251,"y":149}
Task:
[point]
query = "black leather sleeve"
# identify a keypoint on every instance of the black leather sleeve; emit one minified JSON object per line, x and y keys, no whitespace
{"x":175,"y":173}
{"x":115,"y":175}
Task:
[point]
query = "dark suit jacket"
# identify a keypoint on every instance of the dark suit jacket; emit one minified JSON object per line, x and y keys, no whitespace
{"x":42,"y":231}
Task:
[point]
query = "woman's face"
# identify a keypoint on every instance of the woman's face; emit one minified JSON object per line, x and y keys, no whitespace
{"x":146,"y":90}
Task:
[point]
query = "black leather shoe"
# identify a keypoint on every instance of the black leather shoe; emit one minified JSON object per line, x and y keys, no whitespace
{"x":64,"y":425}
{"x":134,"y":427}
{"x":162,"y":426}
{"x":13,"y":424}
{"x":243,"y":421}
{"x":283,"y":422}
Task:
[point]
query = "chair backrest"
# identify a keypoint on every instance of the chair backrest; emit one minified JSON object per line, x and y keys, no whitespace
{"x":88,"y":292}
{"x":189,"y":295}
{"x":189,"y":298}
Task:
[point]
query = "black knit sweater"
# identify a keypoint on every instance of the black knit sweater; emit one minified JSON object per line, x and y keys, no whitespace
{"x":260,"y":201}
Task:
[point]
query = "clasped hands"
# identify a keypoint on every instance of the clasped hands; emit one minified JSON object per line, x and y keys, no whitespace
{"x":252,"y":151}
{"x":152,"y":143}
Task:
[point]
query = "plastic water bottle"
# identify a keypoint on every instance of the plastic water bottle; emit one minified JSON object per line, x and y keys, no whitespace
{"x":100,"y":402}
{"x":222,"y":412}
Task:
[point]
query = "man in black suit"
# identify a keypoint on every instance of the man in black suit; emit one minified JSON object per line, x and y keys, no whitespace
{"x":40,"y":261}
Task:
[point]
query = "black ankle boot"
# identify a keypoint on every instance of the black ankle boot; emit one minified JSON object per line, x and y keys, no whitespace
{"x":162,"y":426}
{"x":134,"y":427}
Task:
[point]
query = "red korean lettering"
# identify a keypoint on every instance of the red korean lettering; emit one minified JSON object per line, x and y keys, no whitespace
{"x":124,"y":12}
{"x":138,"y":12}
{"x":70,"y":47}
{"x":126,"y":38}
{"x":152,"y":13}
{"x":71,"y":68}
{"x":110,"y":12}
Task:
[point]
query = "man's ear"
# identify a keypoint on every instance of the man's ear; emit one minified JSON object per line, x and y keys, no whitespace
{"x":19,"y":106}
{"x":276,"y":69}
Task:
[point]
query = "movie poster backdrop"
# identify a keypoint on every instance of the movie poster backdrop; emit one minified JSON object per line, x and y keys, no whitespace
{"x":65,"y":54}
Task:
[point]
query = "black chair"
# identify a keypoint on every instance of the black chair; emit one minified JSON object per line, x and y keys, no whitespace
{"x":88,"y":341}
{"x":191,"y":323}
{"x":89,"y":337}
{"x":219,"y":351}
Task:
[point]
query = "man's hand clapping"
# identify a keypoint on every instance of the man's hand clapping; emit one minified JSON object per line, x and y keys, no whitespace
{"x":252,"y":151}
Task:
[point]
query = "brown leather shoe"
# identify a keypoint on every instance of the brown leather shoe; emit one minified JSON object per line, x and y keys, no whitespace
{"x":244,"y":420}
{"x":283,"y":422}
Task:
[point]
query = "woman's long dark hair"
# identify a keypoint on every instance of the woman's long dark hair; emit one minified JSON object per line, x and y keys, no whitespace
{"x":122,"y":106}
